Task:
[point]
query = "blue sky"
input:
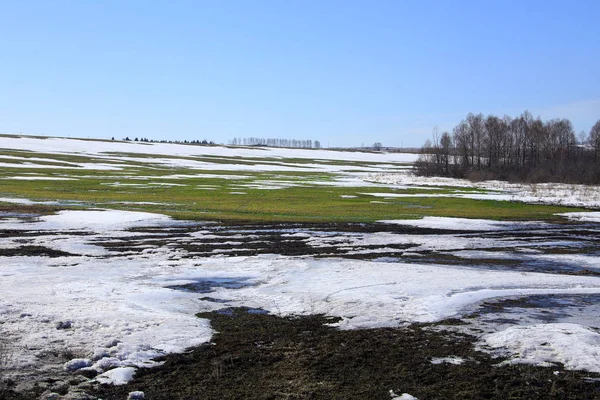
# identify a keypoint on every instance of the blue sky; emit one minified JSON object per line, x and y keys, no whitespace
{"x":342,"y":72}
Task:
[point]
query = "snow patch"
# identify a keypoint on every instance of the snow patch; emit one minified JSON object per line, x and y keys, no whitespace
{"x":540,"y":193}
{"x":592,"y":216}
{"x":117,"y":376}
{"x":403,"y":396}
{"x":104,"y":220}
{"x":574,"y":346}
{"x":454,"y":360}
{"x":77,"y":363}
{"x":465,"y":224}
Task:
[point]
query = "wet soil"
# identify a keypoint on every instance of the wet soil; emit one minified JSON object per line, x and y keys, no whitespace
{"x":32,"y":251}
{"x":250,"y":239}
{"x":260,"y":356}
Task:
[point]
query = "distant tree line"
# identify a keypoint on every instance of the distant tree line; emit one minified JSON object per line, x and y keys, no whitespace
{"x":197,"y":142}
{"x":275,"y":142}
{"x":522,"y":149}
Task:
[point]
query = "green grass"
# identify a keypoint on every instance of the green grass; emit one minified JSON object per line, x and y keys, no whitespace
{"x":307,"y":203}
{"x":301,"y":203}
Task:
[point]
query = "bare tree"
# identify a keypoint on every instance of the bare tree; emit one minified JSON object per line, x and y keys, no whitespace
{"x":463,"y":144}
{"x":594,"y":140}
{"x":445,"y":146}
{"x":524,"y":148}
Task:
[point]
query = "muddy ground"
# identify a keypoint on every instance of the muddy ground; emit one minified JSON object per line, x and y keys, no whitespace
{"x":260,"y":356}
{"x":256,"y":355}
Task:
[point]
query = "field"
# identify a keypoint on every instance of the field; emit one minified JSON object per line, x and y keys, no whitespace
{"x":188,"y":272}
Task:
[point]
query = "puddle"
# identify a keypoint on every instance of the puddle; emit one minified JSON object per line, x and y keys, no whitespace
{"x":257,"y":311}
{"x":231,"y":311}
{"x":580,"y":309}
{"x":9,"y":214}
{"x":214,"y":300}
{"x":208,"y":285}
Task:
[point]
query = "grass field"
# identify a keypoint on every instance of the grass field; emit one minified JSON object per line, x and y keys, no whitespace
{"x":212,"y":187}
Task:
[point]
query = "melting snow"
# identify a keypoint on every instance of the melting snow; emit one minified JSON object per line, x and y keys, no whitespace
{"x":125,"y":152}
{"x":448,"y":360}
{"x":117,"y":376}
{"x":122,"y":311}
{"x":463,"y":224}
{"x":403,"y":396}
{"x":583,"y":216}
{"x":544,"y":193}
{"x":574,"y":346}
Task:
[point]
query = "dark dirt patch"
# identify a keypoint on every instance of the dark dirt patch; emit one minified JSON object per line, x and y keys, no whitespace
{"x":34,"y":251}
{"x":29,"y":209}
{"x":349,"y":227}
{"x":6,"y":393}
{"x":584,"y":272}
{"x":15,"y":233}
{"x":257,"y":356}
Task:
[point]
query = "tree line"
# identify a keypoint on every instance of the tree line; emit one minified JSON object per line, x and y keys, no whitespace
{"x":276,"y":142}
{"x":146,"y":140}
{"x":518,"y":149}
